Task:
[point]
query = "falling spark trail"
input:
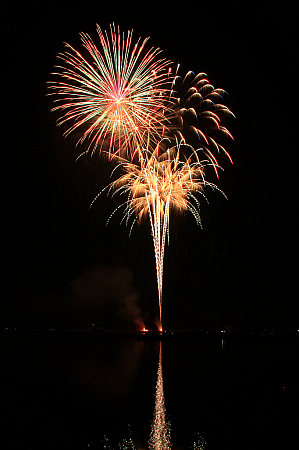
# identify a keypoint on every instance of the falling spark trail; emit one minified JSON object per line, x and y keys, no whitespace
{"x":164,"y":180}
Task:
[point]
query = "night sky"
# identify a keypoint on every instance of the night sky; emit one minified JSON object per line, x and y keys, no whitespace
{"x":63,"y":267}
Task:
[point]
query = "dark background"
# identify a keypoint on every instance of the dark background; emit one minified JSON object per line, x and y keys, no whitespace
{"x":62,"y":267}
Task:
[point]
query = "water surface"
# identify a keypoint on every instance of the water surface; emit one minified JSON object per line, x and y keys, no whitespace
{"x":69,"y":390}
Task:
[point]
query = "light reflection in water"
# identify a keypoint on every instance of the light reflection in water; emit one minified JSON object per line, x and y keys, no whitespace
{"x":160,"y":433}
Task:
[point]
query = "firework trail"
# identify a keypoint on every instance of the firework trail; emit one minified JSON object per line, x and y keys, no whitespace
{"x":117,"y":95}
{"x":160,"y":435}
{"x":164,"y":180}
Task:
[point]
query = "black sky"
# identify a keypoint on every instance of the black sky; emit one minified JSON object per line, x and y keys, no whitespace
{"x":241,"y":268}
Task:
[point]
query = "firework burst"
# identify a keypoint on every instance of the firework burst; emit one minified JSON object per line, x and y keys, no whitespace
{"x":117,"y":94}
{"x":166,"y":180}
{"x":199,"y":110}
{"x":163,"y":130}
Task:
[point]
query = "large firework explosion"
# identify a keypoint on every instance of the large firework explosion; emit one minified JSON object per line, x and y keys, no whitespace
{"x":163,"y":130}
{"x":116,"y":95}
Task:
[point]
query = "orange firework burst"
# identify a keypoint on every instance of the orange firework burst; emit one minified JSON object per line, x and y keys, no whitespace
{"x":118,"y":94}
{"x":164,"y":180}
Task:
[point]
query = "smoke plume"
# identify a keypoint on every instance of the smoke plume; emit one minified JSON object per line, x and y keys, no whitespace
{"x":109,"y":288}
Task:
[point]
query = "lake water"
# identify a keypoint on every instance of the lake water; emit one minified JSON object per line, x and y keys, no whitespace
{"x":69,"y":391}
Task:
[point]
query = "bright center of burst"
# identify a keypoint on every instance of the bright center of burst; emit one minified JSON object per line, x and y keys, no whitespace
{"x":117,"y":109}
{"x":120,"y":113}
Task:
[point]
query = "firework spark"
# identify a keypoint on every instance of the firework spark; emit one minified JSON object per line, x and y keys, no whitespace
{"x":118,"y":94}
{"x":164,"y":180}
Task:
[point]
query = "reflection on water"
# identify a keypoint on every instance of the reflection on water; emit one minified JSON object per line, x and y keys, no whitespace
{"x":160,"y":433}
{"x":125,"y":444}
{"x":200,"y":443}
{"x":64,"y":391}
